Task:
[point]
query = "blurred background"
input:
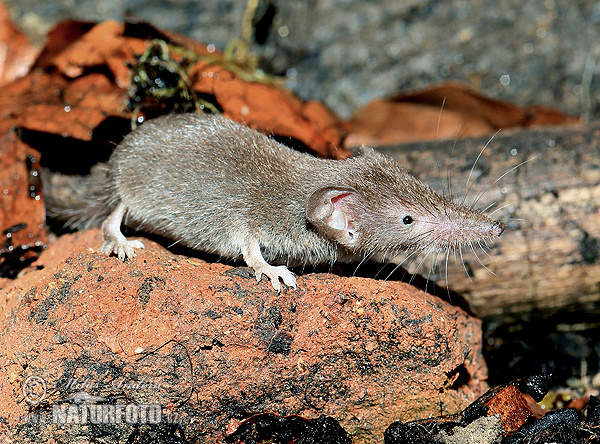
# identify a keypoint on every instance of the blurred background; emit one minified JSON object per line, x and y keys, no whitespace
{"x":347,"y":53}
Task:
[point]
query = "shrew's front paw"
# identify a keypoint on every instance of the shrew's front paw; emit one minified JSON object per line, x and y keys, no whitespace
{"x":275,"y":274}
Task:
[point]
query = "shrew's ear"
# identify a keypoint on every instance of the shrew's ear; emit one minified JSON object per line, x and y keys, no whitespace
{"x":328,"y":210}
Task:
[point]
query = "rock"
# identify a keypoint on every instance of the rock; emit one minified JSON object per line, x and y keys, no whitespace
{"x":484,"y":430}
{"x":498,"y":413}
{"x":208,"y":346}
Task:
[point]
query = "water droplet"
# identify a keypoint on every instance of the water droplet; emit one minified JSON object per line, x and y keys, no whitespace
{"x":394,"y":50}
{"x":541,"y":32}
{"x":67,"y":108}
{"x":465,"y":35}
{"x":513,"y":152}
{"x":211,"y":47}
{"x":528,"y":48}
{"x":505,"y":79}
{"x":291,"y":73}
{"x":551,"y":142}
{"x":484,"y":63}
{"x":283,"y":31}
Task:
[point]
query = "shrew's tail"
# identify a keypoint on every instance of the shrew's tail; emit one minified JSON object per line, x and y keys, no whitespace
{"x":79,"y":201}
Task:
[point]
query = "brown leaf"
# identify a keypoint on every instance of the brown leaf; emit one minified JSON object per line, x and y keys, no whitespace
{"x":17,"y":54}
{"x":50,"y":103}
{"x":73,"y":48}
{"x":448,"y":111}
{"x":272,"y":109}
{"x":58,"y":39}
{"x":512,"y":408}
{"x":104,"y":44}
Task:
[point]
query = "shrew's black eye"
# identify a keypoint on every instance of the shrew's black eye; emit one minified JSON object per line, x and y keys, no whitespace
{"x":407,"y":220}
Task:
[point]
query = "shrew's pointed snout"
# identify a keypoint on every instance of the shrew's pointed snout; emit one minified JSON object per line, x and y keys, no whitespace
{"x":498,"y":228}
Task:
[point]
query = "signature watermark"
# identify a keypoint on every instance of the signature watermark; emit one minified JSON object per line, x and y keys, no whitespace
{"x":88,"y":384}
{"x":84,"y":408}
{"x":34,"y":390}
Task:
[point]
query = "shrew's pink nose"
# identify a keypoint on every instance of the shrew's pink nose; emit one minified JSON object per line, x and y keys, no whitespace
{"x":498,"y":228}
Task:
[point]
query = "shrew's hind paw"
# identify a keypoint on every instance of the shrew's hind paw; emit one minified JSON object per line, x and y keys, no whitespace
{"x":114,"y":241}
{"x":123,"y":248}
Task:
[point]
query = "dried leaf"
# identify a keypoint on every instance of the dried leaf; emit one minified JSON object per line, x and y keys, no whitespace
{"x":240,"y":94}
{"x":16,"y":55}
{"x":104,"y":44}
{"x":272,"y":109}
{"x":512,"y":408}
{"x":448,"y":111}
{"x":58,"y":39}
{"x":50,"y":103}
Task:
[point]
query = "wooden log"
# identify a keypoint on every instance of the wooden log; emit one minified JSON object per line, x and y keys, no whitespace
{"x":549,"y":256}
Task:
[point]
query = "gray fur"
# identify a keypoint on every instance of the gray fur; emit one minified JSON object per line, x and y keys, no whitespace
{"x":211,"y":184}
